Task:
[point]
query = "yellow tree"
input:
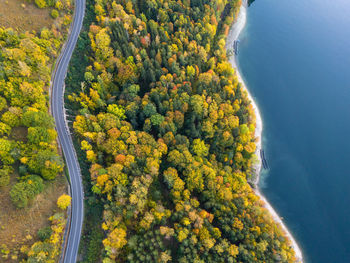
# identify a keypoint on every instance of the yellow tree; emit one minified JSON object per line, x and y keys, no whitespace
{"x":64,"y":201}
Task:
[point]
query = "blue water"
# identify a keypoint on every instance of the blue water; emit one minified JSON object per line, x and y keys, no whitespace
{"x":295,"y":58}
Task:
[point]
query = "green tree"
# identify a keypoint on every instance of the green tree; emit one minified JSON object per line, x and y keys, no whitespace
{"x":117,"y":111}
{"x":21,"y":193}
{"x":46,"y":163}
{"x":199,"y":148}
{"x":37,"y":119}
{"x":157,"y":119}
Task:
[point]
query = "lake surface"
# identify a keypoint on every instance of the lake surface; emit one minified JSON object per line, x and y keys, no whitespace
{"x":295,"y":58}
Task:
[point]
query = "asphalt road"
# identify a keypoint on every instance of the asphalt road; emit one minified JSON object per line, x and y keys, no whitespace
{"x":58,"y":112}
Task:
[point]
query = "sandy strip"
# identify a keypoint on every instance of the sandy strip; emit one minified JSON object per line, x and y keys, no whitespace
{"x":232,"y":36}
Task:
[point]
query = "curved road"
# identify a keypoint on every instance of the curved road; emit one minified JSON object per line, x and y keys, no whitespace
{"x":58,"y":112}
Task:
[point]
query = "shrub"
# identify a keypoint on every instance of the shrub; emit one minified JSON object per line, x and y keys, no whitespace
{"x":44,"y":233}
{"x":49,"y":249}
{"x":51,"y":2}
{"x":54,"y":13}
{"x":22,"y":192}
{"x":40,"y":3}
{"x":59,"y":5}
{"x":19,"y":195}
{"x":46,"y":163}
{"x":64,"y":201}
{"x":10,"y":119}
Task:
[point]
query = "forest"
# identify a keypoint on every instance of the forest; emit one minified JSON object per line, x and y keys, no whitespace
{"x":169,"y":135}
{"x":29,"y":156}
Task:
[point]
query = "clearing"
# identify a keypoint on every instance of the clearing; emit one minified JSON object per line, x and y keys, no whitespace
{"x":24,"y":16}
{"x":19,"y":227}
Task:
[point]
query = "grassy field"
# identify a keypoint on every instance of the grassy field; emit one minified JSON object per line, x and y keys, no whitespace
{"x":19,"y":227}
{"x":23,"y":16}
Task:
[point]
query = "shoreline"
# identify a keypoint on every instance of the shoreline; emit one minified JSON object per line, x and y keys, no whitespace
{"x":233,"y":35}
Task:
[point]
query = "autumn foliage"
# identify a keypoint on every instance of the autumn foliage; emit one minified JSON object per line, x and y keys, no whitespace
{"x":64,"y":201}
{"x":29,"y":159}
{"x":169,"y":133}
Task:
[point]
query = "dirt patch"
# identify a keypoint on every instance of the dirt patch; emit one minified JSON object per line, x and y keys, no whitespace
{"x":19,"y":133}
{"x":24,"y":16}
{"x":19,"y":227}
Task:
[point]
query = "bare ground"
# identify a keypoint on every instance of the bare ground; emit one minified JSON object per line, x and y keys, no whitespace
{"x":19,"y":227}
{"x":24,"y":16}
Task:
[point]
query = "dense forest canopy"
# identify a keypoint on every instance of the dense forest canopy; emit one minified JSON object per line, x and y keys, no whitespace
{"x":169,"y":133}
{"x":24,"y":83}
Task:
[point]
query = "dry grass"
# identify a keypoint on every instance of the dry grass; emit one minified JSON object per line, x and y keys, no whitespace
{"x":19,"y":226}
{"x":19,"y":133}
{"x":23,"y":16}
